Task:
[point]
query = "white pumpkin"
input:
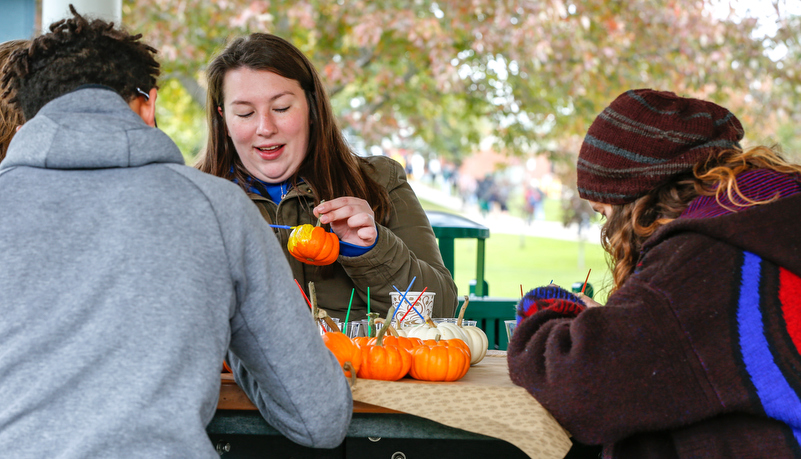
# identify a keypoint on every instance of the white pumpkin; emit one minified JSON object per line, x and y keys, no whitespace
{"x":423,"y":331}
{"x":477,"y":342}
{"x":451,"y":331}
{"x":476,"y":339}
{"x":445,"y":331}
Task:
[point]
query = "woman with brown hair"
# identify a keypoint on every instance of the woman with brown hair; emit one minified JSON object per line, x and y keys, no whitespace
{"x":696,"y":352}
{"x":273,"y":132}
{"x":10,"y":117}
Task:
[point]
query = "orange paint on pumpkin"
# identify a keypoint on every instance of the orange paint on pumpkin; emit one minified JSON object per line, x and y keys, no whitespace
{"x":313,"y":245}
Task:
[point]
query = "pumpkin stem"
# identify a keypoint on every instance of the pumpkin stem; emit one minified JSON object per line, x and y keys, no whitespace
{"x":371,"y":318}
{"x":429,"y":321}
{"x":461,"y":313}
{"x":391,"y":330}
{"x":348,"y":367}
{"x":323,"y":315}
{"x":319,"y":313}
{"x":313,"y":300}
{"x":380,"y":338}
{"x":318,"y":218}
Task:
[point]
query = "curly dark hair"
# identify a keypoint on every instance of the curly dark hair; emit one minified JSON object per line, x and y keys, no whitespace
{"x":78,"y":52}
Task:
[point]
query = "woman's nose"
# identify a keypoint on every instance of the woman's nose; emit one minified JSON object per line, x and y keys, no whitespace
{"x":266,"y":126}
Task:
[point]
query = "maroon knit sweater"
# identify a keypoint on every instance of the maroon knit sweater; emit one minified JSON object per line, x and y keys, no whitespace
{"x":695,"y":356}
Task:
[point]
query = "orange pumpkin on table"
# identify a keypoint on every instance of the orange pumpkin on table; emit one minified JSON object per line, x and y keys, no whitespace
{"x":362,"y":341}
{"x":455,"y":342}
{"x":384,"y":361}
{"x":387,"y":363}
{"x":439,"y":362}
{"x":313,"y":245}
{"x":400,"y":341}
{"x":344,"y":349}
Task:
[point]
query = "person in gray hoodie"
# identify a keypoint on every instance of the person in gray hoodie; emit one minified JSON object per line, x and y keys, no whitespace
{"x":126,"y":276}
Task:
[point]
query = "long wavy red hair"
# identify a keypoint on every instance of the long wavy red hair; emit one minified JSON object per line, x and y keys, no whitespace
{"x":630,"y":225}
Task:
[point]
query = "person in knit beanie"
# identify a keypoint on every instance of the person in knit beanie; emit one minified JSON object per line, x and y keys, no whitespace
{"x":697,"y":349}
{"x":645,"y":137}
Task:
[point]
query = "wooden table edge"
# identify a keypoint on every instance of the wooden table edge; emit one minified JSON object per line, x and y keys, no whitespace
{"x":233,"y":398}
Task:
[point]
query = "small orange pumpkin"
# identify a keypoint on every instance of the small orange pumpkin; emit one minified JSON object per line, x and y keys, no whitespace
{"x":387,"y":363}
{"x":401,"y":341}
{"x":455,"y":342}
{"x":313,"y":245}
{"x":439,"y":363}
{"x":384,"y":362}
{"x":344,"y":350}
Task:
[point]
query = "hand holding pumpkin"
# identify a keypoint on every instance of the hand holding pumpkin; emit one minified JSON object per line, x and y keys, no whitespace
{"x":352,"y":219}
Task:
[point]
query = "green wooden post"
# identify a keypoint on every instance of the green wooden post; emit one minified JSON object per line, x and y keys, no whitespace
{"x":446,"y":249}
{"x":448,"y":227}
{"x":482,"y":287}
{"x":490,"y":313}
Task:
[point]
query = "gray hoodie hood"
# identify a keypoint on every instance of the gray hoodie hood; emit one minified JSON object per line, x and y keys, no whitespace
{"x":89,"y":129}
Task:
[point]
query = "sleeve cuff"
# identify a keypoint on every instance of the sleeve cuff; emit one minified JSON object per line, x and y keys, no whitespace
{"x":350,"y":250}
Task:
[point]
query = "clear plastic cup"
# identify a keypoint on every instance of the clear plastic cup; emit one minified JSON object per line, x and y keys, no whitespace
{"x":445,"y":320}
{"x":454,"y":320}
{"x":356,"y":328}
{"x":510,"y":327}
{"x":324,"y":328}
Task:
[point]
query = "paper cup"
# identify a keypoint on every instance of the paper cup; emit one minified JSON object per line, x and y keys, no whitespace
{"x":424,"y":306}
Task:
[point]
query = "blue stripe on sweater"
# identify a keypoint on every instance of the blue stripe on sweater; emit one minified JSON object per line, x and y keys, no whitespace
{"x":777,"y":397}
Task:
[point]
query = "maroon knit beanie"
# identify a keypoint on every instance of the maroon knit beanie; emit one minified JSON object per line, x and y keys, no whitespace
{"x":645,"y":137}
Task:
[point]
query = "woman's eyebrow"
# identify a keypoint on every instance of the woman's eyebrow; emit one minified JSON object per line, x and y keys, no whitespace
{"x":280,"y":94}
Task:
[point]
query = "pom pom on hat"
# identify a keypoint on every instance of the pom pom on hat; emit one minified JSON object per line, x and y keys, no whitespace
{"x":645,"y":137}
{"x":549,"y":297}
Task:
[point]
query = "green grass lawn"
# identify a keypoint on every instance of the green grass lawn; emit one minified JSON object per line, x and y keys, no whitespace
{"x":530,"y":261}
{"x":512,"y":261}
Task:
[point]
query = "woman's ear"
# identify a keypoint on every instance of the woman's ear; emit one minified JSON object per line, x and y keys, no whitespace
{"x":222,"y":121}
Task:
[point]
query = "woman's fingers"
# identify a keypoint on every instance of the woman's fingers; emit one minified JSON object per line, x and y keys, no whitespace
{"x":341,"y":209}
{"x":350,"y":218}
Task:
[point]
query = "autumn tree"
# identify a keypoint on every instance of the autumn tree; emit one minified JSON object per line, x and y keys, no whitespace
{"x":528,"y":74}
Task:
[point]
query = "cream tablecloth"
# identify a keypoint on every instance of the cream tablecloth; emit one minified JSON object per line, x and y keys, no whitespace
{"x":485,"y":401}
